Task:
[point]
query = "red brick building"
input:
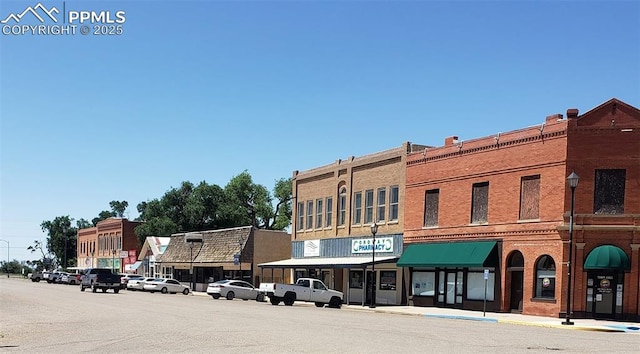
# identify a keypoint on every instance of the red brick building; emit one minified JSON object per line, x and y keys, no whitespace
{"x":106,"y":244}
{"x":501,"y":203}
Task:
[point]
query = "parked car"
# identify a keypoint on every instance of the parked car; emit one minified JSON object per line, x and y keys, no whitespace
{"x":45,"y":275}
{"x":166,"y":286}
{"x":70,"y":279}
{"x":231,"y":289}
{"x":54,"y":277}
{"x":126,"y":277}
{"x":138,"y":284}
{"x":100,"y":278}
{"x":305,"y":289}
{"x":36,"y":276}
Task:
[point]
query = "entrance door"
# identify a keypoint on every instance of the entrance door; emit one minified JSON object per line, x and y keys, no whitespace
{"x":604,"y":294}
{"x":516,"y":290}
{"x":450,"y":285}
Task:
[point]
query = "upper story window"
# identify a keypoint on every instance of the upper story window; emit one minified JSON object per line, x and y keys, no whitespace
{"x":328,"y":212}
{"x":609,"y":192}
{"x":300,"y":225}
{"x":530,"y":197}
{"x":310,"y":215}
{"x":382,"y":204}
{"x":431,"y":202}
{"x":368,"y":206}
{"x":357,"y":208}
{"x":318,"y":213}
{"x":480,"y":203}
{"x":342,"y":206}
{"x":394,"y":197}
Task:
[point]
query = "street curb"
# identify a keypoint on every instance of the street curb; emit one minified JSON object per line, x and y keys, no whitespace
{"x":549,"y":325}
{"x":467,"y":318}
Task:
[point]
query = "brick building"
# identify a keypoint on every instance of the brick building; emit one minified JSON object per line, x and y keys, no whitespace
{"x":501,"y":203}
{"x":333,"y":209}
{"x":112,"y":243}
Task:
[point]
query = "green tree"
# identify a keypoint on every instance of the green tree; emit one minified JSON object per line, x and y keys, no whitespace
{"x":46,"y":262}
{"x":62,"y":239}
{"x":104,"y":215}
{"x":118,"y":207}
{"x":83,"y":224}
{"x":252,"y":204}
{"x":14,"y":267}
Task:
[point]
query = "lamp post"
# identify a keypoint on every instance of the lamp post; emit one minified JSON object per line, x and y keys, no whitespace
{"x":113,"y":260}
{"x":374,"y":230}
{"x":7,"y":265}
{"x":192,"y":237}
{"x":240,"y":242}
{"x":573,"y":183}
{"x":193,"y":286}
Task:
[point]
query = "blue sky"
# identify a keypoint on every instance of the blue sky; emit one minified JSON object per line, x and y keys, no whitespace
{"x":203,"y":90}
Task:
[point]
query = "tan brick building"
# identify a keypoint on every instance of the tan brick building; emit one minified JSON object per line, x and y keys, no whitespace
{"x":501,"y":203}
{"x":112,"y":243}
{"x":333,"y":209}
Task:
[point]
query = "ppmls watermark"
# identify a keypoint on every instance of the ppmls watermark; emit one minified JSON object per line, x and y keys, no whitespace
{"x":39,"y":20}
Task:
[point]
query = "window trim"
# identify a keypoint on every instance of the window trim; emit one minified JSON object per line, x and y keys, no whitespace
{"x":368,"y":206}
{"x":394,"y":207}
{"x":357,"y":208}
{"x":319,"y":211}
{"x":381,"y":207}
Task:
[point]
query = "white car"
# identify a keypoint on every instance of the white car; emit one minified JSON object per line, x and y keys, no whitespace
{"x":166,"y":286}
{"x":138,"y":284}
{"x":70,"y":279}
{"x":231,"y":289}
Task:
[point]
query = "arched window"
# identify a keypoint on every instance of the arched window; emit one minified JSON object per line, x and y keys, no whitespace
{"x":342,"y":206}
{"x":545,"y":277}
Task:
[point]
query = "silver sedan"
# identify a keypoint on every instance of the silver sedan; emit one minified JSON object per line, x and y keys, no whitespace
{"x":231,"y":289}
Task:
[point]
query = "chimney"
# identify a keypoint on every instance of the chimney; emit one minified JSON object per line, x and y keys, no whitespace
{"x":449,"y":141}
{"x":572,"y":113}
{"x":553,"y":118}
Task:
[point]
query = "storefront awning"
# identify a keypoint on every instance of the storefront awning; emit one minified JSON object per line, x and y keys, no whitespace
{"x":333,"y":262}
{"x":450,"y":255}
{"x":607,"y":257}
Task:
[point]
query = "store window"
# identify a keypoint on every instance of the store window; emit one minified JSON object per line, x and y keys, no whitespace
{"x":387,"y":280}
{"x":423,"y":283}
{"x":545,"y":277}
{"x":476,"y":284}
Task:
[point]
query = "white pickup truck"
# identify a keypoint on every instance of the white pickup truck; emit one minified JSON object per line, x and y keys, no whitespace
{"x":305,"y":289}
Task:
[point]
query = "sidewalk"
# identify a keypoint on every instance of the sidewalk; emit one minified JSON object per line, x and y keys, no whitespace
{"x":510,"y":318}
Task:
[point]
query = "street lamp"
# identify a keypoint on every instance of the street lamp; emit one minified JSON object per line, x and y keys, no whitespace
{"x":7,"y":265}
{"x":374,"y":230}
{"x":192,"y":237}
{"x":240,"y":242}
{"x":573,"y":183}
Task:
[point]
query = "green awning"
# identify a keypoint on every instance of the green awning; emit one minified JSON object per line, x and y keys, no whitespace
{"x":607,"y":257}
{"x":450,"y":255}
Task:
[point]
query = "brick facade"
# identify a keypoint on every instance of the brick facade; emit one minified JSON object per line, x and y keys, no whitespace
{"x":607,"y":137}
{"x":100,"y":246}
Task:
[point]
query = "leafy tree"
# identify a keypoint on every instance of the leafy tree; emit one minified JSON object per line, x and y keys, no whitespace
{"x":282,"y":192}
{"x":46,"y":262}
{"x":62,"y":239}
{"x":207,"y":207}
{"x":83,"y":224}
{"x":118,"y":207}
{"x":104,"y":215}
{"x":14,"y":267}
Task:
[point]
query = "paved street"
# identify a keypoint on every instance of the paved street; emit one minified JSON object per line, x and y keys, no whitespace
{"x":51,"y":318}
